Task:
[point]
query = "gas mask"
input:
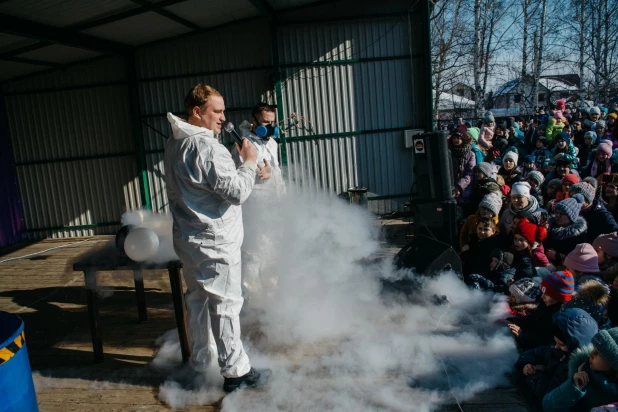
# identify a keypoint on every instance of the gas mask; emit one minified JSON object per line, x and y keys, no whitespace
{"x":267,"y":131}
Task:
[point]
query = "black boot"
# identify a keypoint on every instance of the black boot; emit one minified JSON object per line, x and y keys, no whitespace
{"x":253,"y":379}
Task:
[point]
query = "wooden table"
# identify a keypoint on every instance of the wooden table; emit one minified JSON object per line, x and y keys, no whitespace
{"x":111,"y":259}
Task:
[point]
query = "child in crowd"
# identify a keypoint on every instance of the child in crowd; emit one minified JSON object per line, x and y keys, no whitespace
{"x":486,"y":135}
{"x":599,"y":220}
{"x":592,"y":297}
{"x":555,"y":125}
{"x":586,"y":149}
{"x":566,"y":230}
{"x":535,"y":179}
{"x":546,"y":367}
{"x":583,"y":263}
{"x":565,"y":149}
{"x":606,"y":247}
{"x":476,"y":258}
{"x":565,"y":185}
{"x":496,"y":279}
{"x":509,"y":170}
{"x":540,"y":152}
{"x":600,"y":160}
{"x":592,"y":376}
{"x":484,"y":183}
{"x":520,"y":202}
{"x":525,"y":295}
{"x":527,"y":238}
{"x":489,"y":208}
{"x":527,"y":166}
{"x":553,"y":187}
{"x":536,"y":329}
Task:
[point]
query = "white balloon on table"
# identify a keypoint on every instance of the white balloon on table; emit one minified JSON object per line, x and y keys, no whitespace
{"x":141,"y":244}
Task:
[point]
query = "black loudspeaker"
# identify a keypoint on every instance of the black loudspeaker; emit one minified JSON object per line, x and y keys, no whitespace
{"x":433,"y":167}
{"x":437,"y":219}
{"x":428,"y":256}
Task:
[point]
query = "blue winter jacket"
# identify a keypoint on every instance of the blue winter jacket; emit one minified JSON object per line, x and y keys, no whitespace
{"x":567,"y":397}
{"x":577,"y":328}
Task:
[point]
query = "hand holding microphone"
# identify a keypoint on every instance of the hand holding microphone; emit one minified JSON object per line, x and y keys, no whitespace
{"x":246,"y":149}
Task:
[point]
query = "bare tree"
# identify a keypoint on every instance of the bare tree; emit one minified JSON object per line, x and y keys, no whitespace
{"x":539,"y":53}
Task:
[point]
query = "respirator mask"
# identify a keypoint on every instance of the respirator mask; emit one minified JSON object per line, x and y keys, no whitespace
{"x":267,"y":131}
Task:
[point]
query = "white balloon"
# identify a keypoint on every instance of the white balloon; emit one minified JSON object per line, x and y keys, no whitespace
{"x":141,"y":244}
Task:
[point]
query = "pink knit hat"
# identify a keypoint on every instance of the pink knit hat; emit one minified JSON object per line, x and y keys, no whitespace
{"x":606,"y":147}
{"x":558,"y":114}
{"x":583,"y":259}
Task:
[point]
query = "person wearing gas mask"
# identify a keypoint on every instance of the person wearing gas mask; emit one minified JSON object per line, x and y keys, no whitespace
{"x":259,"y":211}
{"x":205,"y":191}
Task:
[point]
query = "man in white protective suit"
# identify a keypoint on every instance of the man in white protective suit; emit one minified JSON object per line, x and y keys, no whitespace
{"x":260,"y":210}
{"x":205,"y":191}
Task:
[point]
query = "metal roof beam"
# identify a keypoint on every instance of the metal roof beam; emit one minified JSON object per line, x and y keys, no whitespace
{"x":28,"y":61}
{"x":264,"y":7}
{"x":169,"y":15}
{"x":43,"y":32}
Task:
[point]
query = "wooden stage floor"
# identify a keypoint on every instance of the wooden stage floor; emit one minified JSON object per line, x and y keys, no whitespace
{"x":50,"y":297}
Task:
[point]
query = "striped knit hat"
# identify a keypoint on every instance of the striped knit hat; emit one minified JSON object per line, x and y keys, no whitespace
{"x":559,"y":285}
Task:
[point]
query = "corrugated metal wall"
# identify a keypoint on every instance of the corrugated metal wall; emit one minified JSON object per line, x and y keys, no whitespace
{"x":351,"y":76}
{"x":73,"y":148}
{"x":241,"y":71}
{"x":353,"y":80}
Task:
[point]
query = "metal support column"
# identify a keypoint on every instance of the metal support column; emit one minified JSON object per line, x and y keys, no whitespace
{"x":274,"y":42}
{"x":136,"y":126}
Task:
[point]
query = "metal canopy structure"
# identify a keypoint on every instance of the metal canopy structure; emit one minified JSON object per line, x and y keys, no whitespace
{"x":36,"y":35}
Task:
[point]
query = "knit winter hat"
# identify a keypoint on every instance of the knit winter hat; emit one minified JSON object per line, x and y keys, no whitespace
{"x":474,"y":132}
{"x":537,"y":177}
{"x":558,"y":114}
{"x":607,"y":243}
{"x":489,"y":117}
{"x":492,"y":202}
{"x":606,"y":147}
{"x":462,"y":131}
{"x":529,"y":159}
{"x":559,"y":285}
{"x":511,"y":155}
{"x":505,"y":257}
{"x":571,"y":206}
{"x":606,"y":342}
{"x":563,"y":136}
{"x":570,"y":178}
{"x":585,"y":189}
{"x":487,"y":169}
{"x":583,"y":259}
{"x":560,"y":105}
{"x":554,"y":182}
{"x":526,"y":290}
{"x":591,"y":181}
{"x":591,"y":134}
{"x":601,"y":123}
{"x":594,"y":110}
{"x":521,"y":188}
{"x":531,"y":232}
{"x":613,"y":116}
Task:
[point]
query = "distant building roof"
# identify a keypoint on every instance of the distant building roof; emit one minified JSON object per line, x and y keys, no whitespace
{"x":450,"y":101}
{"x":552,"y":83}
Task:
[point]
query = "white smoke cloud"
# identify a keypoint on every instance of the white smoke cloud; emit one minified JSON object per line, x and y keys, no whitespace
{"x":333,"y":340}
{"x":161,"y":224}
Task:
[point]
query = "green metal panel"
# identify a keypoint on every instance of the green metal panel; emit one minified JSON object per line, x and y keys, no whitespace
{"x":274,"y":41}
{"x":74,"y":159}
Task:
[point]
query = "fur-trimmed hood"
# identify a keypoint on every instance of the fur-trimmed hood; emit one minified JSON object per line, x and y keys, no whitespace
{"x":567,"y":232}
{"x":594,"y":292}
{"x":578,"y":357}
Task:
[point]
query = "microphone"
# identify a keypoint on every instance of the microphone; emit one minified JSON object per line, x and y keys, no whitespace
{"x":229,"y":127}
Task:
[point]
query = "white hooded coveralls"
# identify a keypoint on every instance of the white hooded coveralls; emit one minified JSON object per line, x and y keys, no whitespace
{"x":205,"y":191}
{"x":260,"y":211}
